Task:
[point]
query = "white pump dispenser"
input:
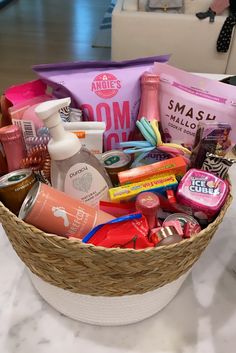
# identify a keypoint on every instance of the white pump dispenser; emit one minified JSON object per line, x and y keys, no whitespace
{"x":63,"y":144}
{"x":75,"y":170}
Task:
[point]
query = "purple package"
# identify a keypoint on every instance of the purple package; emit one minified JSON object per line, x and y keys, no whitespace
{"x":104,"y":90}
{"x":187,"y":99}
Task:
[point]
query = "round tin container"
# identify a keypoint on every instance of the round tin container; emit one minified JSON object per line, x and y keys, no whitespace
{"x":14,"y":187}
{"x":189,"y":224}
{"x":116,"y":161}
{"x":164,"y":236}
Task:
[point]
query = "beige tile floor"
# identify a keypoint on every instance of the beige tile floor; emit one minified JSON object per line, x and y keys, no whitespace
{"x":46,"y":31}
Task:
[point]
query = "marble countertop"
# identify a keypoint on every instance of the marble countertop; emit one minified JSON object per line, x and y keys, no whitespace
{"x":200,"y":319}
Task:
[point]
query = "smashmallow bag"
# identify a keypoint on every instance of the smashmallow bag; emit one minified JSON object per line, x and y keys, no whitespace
{"x":186,"y":99}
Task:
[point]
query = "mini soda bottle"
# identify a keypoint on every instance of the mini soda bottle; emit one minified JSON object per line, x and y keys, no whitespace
{"x":11,"y":139}
{"x":149,"y":102}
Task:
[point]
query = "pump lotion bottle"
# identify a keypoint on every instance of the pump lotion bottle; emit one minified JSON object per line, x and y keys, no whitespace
{"x":75,"y":170}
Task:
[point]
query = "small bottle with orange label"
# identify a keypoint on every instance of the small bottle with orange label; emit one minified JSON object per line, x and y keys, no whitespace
{"x":90,"y":134}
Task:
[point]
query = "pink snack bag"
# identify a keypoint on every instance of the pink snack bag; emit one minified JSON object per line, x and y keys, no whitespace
{"x":20,"y":93}
{"x":105,"y":91}
{"x":187,"y":99}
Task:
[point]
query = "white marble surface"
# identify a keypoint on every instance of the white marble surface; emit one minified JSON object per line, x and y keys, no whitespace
{"x":201,"y":318}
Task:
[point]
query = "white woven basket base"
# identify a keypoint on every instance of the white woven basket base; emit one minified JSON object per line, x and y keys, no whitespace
{"x":107,"y":311}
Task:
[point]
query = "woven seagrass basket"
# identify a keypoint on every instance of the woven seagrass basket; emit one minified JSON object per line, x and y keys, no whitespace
{"x":86,"y":269}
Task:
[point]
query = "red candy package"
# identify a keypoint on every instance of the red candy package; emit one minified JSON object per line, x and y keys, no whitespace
{"x":124,"y":232}
{"x":18,"y":94}
{"x":117,"y":209}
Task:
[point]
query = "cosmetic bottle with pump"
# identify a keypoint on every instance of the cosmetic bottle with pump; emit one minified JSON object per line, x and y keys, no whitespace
{"x":75,"y":170}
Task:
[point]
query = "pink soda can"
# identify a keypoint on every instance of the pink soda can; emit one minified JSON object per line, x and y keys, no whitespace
{"x":55,"y":212}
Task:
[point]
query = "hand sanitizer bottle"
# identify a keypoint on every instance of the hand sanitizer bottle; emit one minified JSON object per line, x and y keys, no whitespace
{"x":75,"y":170}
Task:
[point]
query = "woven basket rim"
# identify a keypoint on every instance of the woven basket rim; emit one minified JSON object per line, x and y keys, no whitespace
{"x":79,"y":243}
{"x":98,"y":271}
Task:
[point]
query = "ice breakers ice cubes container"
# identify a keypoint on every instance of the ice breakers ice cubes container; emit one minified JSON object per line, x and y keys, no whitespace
{"x":203,"y":192}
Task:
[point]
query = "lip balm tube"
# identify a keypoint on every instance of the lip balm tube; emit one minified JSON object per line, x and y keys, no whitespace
{"x":148,"y":204}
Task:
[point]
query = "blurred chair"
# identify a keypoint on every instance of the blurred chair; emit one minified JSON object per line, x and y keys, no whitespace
{"x":192,"y":42}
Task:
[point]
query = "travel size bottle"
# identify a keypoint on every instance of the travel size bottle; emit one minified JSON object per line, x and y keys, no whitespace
{"x":75,"y":170}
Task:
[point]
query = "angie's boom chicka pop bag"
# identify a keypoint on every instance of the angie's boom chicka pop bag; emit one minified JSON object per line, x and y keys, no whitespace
{"x":105,"y":91}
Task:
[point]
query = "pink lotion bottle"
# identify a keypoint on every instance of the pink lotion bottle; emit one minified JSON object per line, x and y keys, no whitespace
{"x":11,"y":138}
